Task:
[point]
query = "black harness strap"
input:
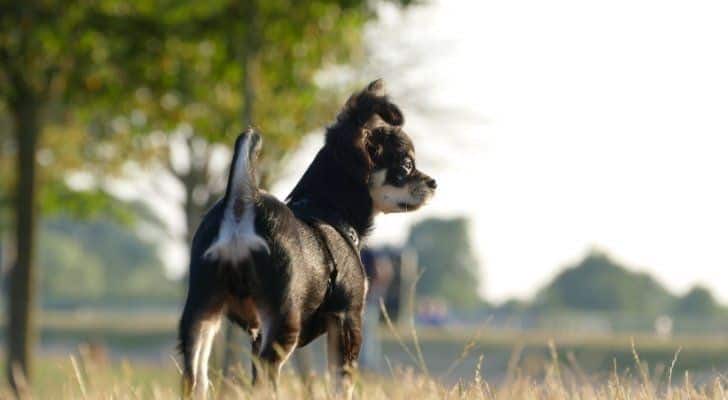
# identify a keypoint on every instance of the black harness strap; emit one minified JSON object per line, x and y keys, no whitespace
{"x":304,"y":211}
{"x":334,"y":272}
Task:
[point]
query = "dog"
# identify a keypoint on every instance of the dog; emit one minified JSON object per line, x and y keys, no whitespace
{"x":289,"y":272}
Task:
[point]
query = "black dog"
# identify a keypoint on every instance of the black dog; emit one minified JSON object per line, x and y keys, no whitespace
{"x":287,"y":273}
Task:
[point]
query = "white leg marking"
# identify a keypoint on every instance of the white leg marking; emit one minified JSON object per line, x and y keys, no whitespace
{"x":287,"y":356}
{"x":207,"y":337}
{"x":196,"y":356}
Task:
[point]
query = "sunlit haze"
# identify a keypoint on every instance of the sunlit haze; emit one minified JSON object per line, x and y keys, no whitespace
{"x":593,"y":124}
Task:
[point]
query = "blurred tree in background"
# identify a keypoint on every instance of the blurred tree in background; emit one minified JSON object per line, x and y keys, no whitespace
{"x":599,"y":283}
{"x":87,"y":85}
{"x":445,"y":252}
{"x":697,"y":302}
{"x":54,"y":58}
{"x":100,"y":263}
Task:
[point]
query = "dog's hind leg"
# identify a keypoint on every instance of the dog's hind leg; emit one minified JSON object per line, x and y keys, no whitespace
{"x":280,"y":338}
{"x":209,"y":329}
{"x":197,"y":330}
{"x":243,"y":312}
{"x":189,"y":346}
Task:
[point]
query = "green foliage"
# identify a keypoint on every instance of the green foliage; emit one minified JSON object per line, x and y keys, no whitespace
{"x":450,"y":268}
{"x":100,"y":263}
{"x":108,"y":73}
{"x":59,"y":69}
{"x":599,"y":283}
{"x":61,"y":200}
{"x":69,"y":52}
{"x":217,"y":66}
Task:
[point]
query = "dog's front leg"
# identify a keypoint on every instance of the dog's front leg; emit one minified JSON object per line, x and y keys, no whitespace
{"x":343,"y":346}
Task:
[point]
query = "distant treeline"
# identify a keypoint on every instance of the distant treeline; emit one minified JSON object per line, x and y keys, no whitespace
{"x":599,"y":283}
{"x":101,"y":263}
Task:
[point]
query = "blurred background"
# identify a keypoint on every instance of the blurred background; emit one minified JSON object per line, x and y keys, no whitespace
{"x":579,"y":148}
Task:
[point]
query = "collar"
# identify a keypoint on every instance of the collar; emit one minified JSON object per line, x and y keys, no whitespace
{"x":311,"y":213}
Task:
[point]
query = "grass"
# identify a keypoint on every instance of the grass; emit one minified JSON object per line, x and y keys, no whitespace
{"x":426,"y":364}
{"x":593,"y":354}
{"x":132,"y":334}
{"x":83,"y":377}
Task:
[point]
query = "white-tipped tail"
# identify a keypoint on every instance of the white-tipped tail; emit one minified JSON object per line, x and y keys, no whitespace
{"x":237,"y":237}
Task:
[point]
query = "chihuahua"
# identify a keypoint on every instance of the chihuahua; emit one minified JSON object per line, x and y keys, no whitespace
{"x":289,"y":272}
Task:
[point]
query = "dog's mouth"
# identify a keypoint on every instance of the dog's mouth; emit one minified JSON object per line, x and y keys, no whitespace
{"x":407,"y":206}
{"x":418,"y":199}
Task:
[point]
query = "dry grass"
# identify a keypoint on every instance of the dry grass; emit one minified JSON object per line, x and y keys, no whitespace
{"x":83,"y":377}
{"x":90,"y":375}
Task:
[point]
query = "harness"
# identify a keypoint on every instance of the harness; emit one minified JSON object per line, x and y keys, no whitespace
{"x":315,"y":217}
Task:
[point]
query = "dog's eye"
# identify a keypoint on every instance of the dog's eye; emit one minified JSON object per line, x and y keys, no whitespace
{"x":407,"y":165}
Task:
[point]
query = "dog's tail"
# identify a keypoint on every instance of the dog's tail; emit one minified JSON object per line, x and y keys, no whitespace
{"x":237,"y":237}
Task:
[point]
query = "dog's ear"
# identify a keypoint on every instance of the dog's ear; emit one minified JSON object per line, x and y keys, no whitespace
{"x":377,"y":88}
{"x":384,"y":108}
{"x":390,"y":113}
{"x":372,"y":102}
{"x":363,"y":113}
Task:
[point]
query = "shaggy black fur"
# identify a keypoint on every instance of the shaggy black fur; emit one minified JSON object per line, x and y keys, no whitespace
{"x":309,"y":280}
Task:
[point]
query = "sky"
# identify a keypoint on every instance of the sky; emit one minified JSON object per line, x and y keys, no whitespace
{"x":565,"y":126}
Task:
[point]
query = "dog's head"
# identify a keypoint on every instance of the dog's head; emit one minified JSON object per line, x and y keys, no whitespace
{"x":370,"y":141}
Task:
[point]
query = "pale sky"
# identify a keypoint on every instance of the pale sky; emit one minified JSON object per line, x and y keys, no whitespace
{"x":597,"y":124}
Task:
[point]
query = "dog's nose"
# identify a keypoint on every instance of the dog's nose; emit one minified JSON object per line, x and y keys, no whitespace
{"x":431,"y":183}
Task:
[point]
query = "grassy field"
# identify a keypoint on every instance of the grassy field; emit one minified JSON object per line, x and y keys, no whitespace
{"x":133,"y":358}
{"x":151,"y":337}
{"x":81,"y":377}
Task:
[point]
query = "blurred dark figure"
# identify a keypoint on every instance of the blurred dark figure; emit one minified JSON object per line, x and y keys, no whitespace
{"x":379,"y":269}
{"x":432,"y":312}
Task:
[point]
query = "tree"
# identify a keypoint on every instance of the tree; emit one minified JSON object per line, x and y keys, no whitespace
{"x":451,"y":270}
{"x":697,"y":302}
{"x":134,"y":67}
{"x":53,"y":53}
{"x":598,"y":283}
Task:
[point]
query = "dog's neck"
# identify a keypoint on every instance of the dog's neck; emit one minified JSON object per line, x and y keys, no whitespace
{"x":327,"y":187}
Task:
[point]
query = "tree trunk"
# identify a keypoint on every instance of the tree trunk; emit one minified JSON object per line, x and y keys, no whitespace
{"x":21,"y":303}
